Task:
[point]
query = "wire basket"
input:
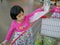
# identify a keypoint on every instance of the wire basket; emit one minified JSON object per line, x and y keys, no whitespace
{"x":51,"y":27}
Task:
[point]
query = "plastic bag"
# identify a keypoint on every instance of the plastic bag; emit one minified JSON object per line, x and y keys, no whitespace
{"x":48,"y":41}
{"x":38,"y":39}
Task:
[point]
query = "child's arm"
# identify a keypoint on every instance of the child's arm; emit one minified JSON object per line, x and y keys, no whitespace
{"x":46,"y":5}
{"x":38,"y":15}
{"x":49,"y":14}
{"x":32,"y":13}
{"x":10,"y":32}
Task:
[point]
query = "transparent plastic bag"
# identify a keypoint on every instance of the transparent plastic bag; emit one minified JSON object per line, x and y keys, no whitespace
{"x":48,"y":41}
{"x":38,"y":39}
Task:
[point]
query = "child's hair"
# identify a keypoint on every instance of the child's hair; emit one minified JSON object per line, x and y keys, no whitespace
{"x":15,"y":10}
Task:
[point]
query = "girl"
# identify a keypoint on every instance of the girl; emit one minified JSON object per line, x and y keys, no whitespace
{"x":22,"y":23}
{"x":56,"y":10}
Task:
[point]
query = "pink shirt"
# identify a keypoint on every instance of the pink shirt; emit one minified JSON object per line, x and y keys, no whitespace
{"x":55,"y":9}
{"x":22,"y":26}
{"x":19,"y":27}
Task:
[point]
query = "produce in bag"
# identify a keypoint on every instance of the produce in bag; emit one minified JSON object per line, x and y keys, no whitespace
{"x":38,"y":39}
{"x":48,"y":41}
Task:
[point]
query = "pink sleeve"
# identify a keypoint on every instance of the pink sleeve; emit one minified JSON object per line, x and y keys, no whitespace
{"x":37,"y":10}
{"x":53,"y":9}
{"x":10,"y":32}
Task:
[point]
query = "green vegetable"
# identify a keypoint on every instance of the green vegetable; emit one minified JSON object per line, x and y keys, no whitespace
{"x":48,"y":41}
{"x":38,"y":40}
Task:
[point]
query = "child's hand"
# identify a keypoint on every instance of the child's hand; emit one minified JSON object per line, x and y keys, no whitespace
{"x":4,"y":42}
{"x":42,"y":8}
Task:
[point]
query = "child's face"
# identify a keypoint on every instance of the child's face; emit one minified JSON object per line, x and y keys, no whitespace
{"x":58,"y":3}
{"x":20,"y":16}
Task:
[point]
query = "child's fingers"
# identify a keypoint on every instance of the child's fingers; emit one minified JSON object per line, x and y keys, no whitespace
{"x":4,"y":43}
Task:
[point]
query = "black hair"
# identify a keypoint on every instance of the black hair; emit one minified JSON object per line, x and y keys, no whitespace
{"x":15,"y":10}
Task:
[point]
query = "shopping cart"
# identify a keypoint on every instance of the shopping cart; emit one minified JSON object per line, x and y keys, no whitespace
{"x":50,"y":27}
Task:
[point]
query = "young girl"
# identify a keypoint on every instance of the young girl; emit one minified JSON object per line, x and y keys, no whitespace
{"x":56,"y":10}
{"x":22,"y":23}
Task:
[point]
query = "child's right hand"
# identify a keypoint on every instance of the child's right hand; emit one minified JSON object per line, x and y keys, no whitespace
{"x":4,"y":42}
{"x":42,"y":8}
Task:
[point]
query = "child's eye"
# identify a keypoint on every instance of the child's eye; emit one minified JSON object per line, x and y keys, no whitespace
{"x":19,"y":16}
